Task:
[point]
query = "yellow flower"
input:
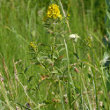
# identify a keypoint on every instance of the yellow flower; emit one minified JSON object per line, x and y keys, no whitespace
{"x":33,"y":45}
{"x":68,"y":15}
{"x":88,"y":41}
{"x":53,"y":12}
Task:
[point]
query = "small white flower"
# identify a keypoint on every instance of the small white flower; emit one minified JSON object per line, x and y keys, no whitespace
{"x":105,"y":58}
{"x":65,"y":95}
{"x":74,"y":36}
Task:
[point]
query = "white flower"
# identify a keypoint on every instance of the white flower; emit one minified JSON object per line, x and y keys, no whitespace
{"x":74,"y":36}
{"x":105,"y":58}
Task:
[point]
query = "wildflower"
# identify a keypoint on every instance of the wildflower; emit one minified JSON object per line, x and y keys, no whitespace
{"x":53,"y":12}
{"x":33,"y":45}
{"x":88,"y":41}
{"x":68,"y":15}
{"x":106,"y":60}
{"x":74,"y":36}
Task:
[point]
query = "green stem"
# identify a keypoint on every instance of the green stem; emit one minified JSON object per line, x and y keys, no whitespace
{"x":70,"y":80}
{"x":87,"y":96}
{"x":62,"y":100}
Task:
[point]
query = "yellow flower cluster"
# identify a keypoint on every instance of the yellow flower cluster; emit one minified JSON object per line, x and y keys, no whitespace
{"x":54,"y":12}
{"x":33,"y":45}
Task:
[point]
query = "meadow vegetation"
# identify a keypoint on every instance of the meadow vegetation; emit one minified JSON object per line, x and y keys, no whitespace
{"x":54,"y":55}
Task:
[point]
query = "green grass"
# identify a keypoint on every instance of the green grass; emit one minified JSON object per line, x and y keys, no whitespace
{"x":60,"y":74}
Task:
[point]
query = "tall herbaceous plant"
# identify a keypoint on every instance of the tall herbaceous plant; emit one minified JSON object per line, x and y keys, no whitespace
{"x":53,"y":58}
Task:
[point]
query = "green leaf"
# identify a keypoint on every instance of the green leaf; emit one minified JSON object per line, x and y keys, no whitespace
{"x":54,"y":71}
